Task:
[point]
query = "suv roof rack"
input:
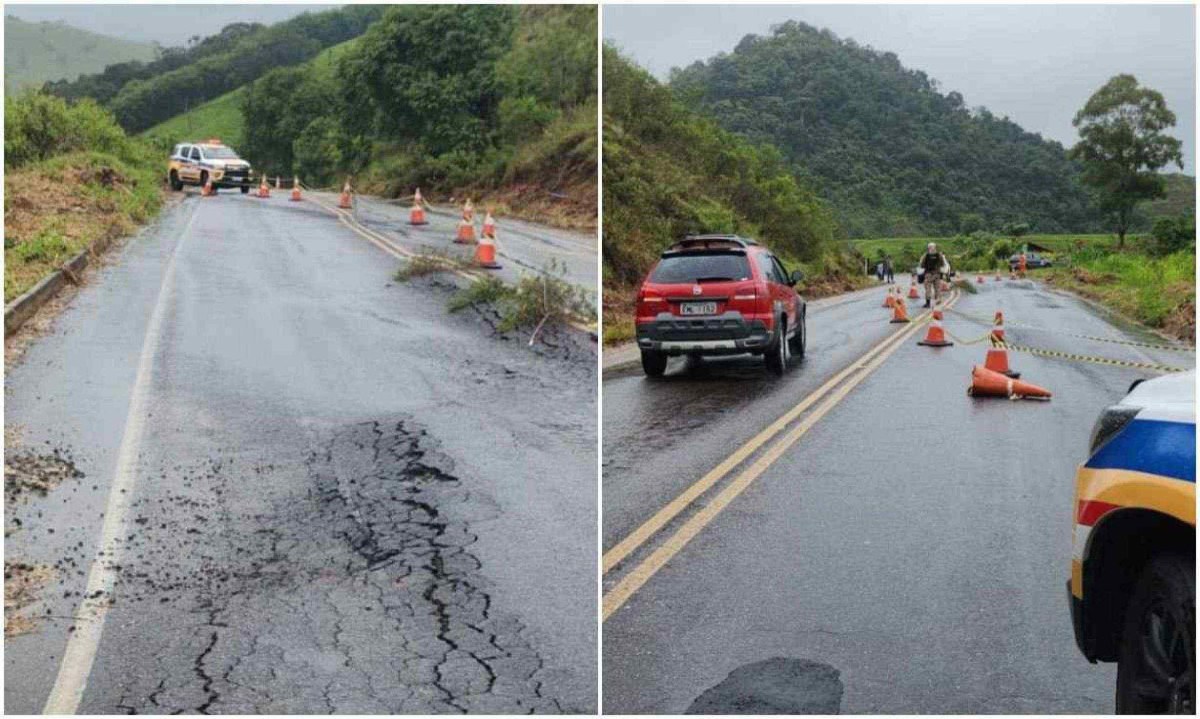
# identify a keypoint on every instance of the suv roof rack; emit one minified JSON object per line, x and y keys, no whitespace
{"x":711,"y":242}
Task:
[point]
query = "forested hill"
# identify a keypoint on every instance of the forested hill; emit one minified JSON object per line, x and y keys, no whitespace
{"x":143,"y":94}
{"x":893,"y":154}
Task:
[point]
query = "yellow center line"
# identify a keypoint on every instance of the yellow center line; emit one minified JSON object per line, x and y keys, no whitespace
{"x":632,"y":582}
{"x":635,"y":539}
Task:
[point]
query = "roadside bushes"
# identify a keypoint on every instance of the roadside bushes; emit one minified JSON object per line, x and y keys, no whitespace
{"x":1173,"y":234}
{"x":38,"y":126}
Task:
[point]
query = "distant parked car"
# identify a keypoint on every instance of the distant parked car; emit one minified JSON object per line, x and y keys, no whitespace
{"x":1032,"y":261}
{"x":720,"y":295}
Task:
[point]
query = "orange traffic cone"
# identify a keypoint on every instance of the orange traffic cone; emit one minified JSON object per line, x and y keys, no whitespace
{"x":997,"y":361}
{"x":296,"y":189}
{"x":344,"y":201}
{"x":936,"y":336}
{"x":489,"y":226}
{"x":913,"y":294}
{"x":986,"y":383}
{"x":207,"y":189}
{"x":900,"y":311}
{"x":416,"y":216}
{"x":263,"y":189}
{"x":979,"y":279}
{"x":485,"y":253}
{"x":466,"y":232}
{"x":889,"y":300}
{"x":998,"y":327}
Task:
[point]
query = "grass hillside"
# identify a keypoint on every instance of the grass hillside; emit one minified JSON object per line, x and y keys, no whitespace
{"x":1180,"y":199}
{"x":37,"y":52}
{"x":71,"y":177}
{"x":223,"y":116}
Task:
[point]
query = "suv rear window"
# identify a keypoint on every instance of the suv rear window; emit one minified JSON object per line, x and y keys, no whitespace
{"x":701,"y":266}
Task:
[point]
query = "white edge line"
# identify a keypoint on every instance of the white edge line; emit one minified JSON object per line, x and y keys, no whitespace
{"x":83,"y":643}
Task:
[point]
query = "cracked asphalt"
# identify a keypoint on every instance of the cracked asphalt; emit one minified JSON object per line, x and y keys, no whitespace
{"x":347,"y":500}
{"x":914,"y":545}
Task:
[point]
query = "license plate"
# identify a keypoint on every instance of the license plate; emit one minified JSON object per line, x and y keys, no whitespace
{"x":698,"y":308}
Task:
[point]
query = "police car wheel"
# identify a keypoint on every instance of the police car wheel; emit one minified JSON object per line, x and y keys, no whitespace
{"x":245,"y":190}
{"x":1156,"y":665}
{"x":176,"y":183}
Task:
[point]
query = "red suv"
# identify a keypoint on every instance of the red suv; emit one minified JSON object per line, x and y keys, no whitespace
{"x":719,"y":295}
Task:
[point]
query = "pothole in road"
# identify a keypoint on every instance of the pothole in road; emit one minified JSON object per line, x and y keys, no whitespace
{"x":354,"y":589}
{"x":775,"y":686}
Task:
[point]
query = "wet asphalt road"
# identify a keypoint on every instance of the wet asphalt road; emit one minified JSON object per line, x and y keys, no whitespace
{"x":522,"y":248}
{"x":346,"y":499}
{"x":908,"y":555}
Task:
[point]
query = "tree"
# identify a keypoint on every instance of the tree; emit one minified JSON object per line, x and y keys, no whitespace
{"x":1122,"y":146}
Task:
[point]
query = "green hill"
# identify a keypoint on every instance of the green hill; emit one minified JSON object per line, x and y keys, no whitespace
{"x":36,"y":52}
{"x":142,"y":95}
{"x":892,"y":153}
{"x":1180,"y":199}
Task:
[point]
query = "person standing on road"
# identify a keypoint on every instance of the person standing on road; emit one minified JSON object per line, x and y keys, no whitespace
{"x":889,"y":270}
{"x":1021,"y":262}
{"x":933,"y":265}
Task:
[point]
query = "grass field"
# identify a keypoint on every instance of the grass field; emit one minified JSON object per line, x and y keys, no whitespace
{"x":35,"y":52}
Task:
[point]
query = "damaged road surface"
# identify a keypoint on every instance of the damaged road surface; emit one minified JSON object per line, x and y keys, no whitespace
{"x":298,"y":487}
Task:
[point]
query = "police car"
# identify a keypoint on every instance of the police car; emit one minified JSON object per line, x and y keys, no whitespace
{"x":197,"y":163}
{"x":1133,"y":572}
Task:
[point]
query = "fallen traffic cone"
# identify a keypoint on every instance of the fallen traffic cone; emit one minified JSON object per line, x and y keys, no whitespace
{"x":466,"y":232}
{"x":900,"y":311}
{"x":416,"y":216}
{"x":936,"y":336}
{"x":485,"y":253}
{"x":489,"y":226}
{"x":913,"y":294}
{"x":986,"y":383}
{"x":997,"y":361}
{"x":296,"y":189}
{"x":344,"y":201}
{"x":263,"y":189}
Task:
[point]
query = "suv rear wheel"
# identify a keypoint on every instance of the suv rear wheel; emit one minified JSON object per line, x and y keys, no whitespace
{"x":776,"y":356}
{"x":654,"y":363}
{"x":245,"y":189}
{"x":176,"y":183}
{"x":1156,"y":665}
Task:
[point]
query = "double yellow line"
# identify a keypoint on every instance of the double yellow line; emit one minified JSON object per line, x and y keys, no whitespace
{"x":837,"y":387}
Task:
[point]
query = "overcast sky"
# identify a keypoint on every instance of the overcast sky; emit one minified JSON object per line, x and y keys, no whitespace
{"x":167,"y":24}
{"x":1037,"y":64}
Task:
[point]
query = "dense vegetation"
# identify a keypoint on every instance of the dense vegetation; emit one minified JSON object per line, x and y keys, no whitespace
{"x":37,"y":52}
{"x":892,"y":154}
{"x":441,"y":97}
{"x":669,"y":172}
{"x":144,"y":94}
{"x":72,"y":177}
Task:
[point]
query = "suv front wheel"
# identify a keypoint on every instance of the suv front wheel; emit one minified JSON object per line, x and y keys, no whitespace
{"x":799,"y":341}
{"x":176,"y":183}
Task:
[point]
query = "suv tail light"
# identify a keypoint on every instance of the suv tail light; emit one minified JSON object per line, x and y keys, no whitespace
{"x":744,"y":298}
{"x":650,"y":302}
